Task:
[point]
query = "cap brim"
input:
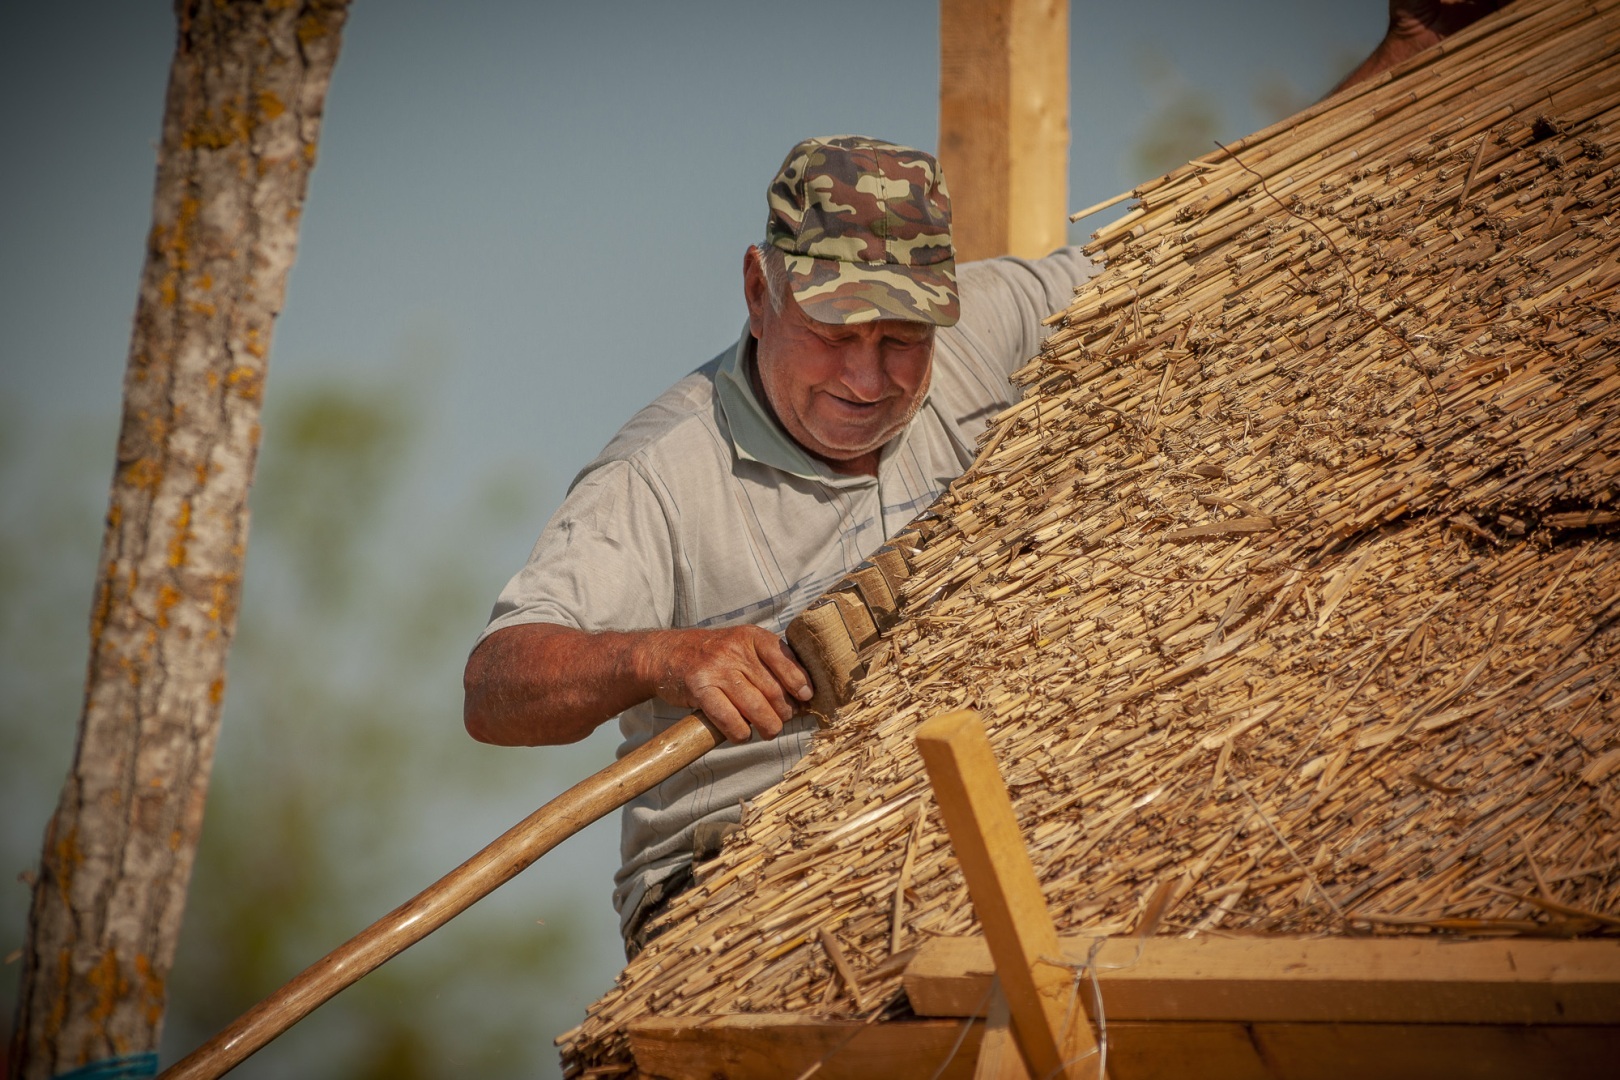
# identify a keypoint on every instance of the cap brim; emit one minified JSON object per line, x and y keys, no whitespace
{"x":845,"y":293}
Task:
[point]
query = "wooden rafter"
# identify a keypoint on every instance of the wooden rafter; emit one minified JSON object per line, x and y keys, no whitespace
{"x":1049,"y":1028}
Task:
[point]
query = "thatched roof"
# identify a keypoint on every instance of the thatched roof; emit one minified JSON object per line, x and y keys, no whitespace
{"x":1288,"y":593}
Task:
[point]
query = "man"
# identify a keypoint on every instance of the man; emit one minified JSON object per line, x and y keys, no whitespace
{"x":853,"y":397}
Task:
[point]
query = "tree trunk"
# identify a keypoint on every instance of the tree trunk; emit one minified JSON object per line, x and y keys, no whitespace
{"x":240,"y":124}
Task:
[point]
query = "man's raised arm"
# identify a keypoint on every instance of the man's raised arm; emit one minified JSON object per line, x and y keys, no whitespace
{"x":1415,"y":25}
{"x":540,"y":684}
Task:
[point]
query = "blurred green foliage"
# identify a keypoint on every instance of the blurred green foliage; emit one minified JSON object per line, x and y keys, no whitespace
{"x":1187,"y":119}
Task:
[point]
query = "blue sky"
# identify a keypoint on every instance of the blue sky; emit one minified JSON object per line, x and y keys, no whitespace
{"x":535,"y":211}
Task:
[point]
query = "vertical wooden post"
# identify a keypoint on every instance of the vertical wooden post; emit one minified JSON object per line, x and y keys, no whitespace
{"x":1006,"y":895}
{"x":1004,"y":124}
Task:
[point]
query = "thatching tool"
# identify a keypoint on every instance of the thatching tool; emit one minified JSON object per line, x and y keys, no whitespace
{"x":827,"y":649}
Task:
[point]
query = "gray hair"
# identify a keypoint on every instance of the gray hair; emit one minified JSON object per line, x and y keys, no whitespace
{"x":774,"y":265}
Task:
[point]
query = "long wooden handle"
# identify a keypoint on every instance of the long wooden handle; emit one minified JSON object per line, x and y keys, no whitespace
{"x":821,"y":637}
{"x":643,"y":768}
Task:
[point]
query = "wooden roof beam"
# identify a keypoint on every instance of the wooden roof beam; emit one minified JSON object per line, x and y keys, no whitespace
{"x":1405,"y":980}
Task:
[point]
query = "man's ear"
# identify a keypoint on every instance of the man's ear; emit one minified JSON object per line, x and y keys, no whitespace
{"x":756,"y":291}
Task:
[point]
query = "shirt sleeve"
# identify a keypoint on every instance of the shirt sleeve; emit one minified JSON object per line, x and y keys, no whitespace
{"x":1004,"y":301}
{"x":604,"y":561}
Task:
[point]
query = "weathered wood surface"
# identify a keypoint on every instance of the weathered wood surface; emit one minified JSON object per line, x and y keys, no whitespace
{"x":781,"y":1047}
{"x":1358,"y":980}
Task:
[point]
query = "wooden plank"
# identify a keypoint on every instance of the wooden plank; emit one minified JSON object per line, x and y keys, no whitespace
{"x":1048,"y":1025}
{"x":1410,"y":980}
{"x":780,"y":1047}
{"x":1004,"y":124}
{"x":1411,"y":1051}
{"x":783,"y":1046}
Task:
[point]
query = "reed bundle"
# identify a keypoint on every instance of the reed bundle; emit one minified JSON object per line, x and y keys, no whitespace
{"x":1288,"y":591}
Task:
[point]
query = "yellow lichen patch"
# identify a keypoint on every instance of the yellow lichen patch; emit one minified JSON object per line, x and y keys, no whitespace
{"x":182,"y":534}
{"x":221,"y":608}
{"x":168,"y":597}
{"x":68,"y":856}
{"x":169,"y":289}
{"x":270,"y":105}
{"x":110,"y":985}
{"x":252,"y":344}
{"x":217,"y":129}
{"x":100,"y":611}
{"x":199,"y":307}
{"x":311,"y":28}
{"x":309,"y":154}
{"x":216,"y":691}
{"x":178,"y":248}
{"x":205,"y":282}
{"x":201,"y":472}
{"x":115,"y":515}
{"x":156,"y":425}
{"x":152,"y":989}
{"x":247,"y":382}
{"x":142,"y":473}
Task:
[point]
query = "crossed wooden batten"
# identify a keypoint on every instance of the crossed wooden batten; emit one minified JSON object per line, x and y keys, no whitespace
{"x":1289,"y":597}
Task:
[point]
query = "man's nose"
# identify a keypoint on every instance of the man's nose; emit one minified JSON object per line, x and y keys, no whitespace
{"x":863,"y":372}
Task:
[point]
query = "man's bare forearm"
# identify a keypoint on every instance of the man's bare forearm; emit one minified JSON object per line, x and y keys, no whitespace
{"x":1416,"y":25}
{"x":540,"y":684}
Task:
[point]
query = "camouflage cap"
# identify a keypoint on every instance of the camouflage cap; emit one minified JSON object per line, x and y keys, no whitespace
{"x":865,"y":226}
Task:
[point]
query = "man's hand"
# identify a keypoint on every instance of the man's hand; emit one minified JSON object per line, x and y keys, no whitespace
{"x":1415,"y":25}
{"x":742,"y":677}
{"x":539,"y":684}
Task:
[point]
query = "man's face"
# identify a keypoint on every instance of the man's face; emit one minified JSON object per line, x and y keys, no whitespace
{"x":840,"y":391}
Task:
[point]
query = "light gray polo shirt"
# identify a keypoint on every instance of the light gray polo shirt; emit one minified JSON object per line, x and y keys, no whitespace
{"x":703,"y":512}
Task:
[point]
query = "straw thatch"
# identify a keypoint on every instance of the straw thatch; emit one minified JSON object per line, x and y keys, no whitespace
{"x":1288,"y":592}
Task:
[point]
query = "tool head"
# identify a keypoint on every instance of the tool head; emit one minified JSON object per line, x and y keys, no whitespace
{"x":831,"y":633}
